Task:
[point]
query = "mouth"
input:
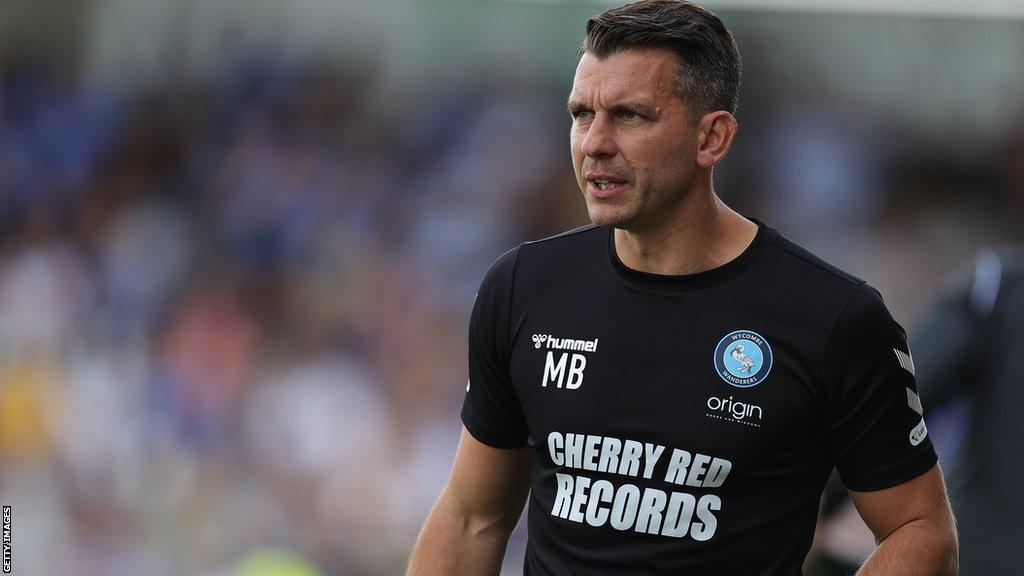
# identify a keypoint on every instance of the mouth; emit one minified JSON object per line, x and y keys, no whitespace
{"x":605,"y":186}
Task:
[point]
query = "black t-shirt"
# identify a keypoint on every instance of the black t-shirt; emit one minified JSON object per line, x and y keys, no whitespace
{"x":687,"y":424}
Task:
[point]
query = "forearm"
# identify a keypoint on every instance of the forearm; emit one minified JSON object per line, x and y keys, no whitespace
{"x":924,"y":547}
{"x":453,"y":542}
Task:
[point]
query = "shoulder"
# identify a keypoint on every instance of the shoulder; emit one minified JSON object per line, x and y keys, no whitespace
{"x":546,"y":253}
{"x":552,"y":246}
{"x":811,"y":266}
{"x":980,"y":285}
{"x":865,"y":318}
{"x":806,"y":281}
{"x":838,"y":306}
{"x":995,"y":270}
{"x":563,"y":241}
{"x":563,"y":255}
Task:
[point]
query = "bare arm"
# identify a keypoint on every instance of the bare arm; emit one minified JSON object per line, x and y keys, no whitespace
{"x":469,"y":526}
{"x":913,"y":526}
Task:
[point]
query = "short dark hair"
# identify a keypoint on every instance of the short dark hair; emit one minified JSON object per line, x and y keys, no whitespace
{"x":709,"y":71}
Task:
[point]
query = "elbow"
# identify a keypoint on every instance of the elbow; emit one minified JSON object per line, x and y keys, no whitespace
{"x":497,"y":524}
{"x":951,"y":556}
{"x":950,"y":565}
{"x":499,"y":527}
{"x":931,"y":544}
{"x":948,"y":548}
{"x":475,"y":522}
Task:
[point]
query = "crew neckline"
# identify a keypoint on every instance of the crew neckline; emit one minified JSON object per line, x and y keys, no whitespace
{"x":709,"y":277}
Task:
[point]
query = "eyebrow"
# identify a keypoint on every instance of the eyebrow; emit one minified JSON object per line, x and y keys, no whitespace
{"x":575,"y":105}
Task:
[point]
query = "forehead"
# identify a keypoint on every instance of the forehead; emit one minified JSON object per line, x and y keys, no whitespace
{"x":648,"y":73}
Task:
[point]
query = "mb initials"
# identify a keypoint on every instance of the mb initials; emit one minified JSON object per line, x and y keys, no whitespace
{"x":567,"y":370}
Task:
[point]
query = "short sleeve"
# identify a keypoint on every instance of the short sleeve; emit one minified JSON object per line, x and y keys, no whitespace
{"x":874,"y":427}
{"x":491,"y":410}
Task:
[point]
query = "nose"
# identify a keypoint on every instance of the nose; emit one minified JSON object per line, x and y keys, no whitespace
{"x":599,"y":139}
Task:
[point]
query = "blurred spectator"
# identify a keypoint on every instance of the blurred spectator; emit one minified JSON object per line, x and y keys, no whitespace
{"x":970,"y":349}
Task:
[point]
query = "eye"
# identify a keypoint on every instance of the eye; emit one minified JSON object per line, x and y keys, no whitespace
{"x":629,"y":115}
{"x":580,"y":114}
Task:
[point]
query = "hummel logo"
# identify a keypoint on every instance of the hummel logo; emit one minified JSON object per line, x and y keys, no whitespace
{"x":564,"y":343}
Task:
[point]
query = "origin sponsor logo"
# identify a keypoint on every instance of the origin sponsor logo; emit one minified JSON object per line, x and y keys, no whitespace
{"x":728,"y":407}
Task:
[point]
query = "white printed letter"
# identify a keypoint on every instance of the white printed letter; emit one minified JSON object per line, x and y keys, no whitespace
{"x":563,"y":499}
{"x":554,"y":445}
{"x":678,"y":514}
{"x":704,"y":531}
{"x":553,"y":373}
{"x":600,"y":491}
{"x":579,"y":362}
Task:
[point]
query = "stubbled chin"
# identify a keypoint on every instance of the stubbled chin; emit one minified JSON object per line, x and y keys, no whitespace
{"x":603,"y":214}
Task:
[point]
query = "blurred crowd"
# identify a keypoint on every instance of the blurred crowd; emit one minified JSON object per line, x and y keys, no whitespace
{"x":233,"y":316}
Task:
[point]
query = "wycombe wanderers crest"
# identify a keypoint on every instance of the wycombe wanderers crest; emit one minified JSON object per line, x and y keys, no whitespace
{"x":743,"y":358}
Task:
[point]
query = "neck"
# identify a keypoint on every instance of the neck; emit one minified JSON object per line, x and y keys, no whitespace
{"x":703,"y":234}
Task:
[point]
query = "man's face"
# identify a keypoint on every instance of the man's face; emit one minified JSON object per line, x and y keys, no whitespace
{"x":633,"y":144}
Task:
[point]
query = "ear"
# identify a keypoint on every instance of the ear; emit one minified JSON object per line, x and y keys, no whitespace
{"x":715,"y":133}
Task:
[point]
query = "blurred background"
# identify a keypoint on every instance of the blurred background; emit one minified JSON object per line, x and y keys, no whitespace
{"x":239,"y":241}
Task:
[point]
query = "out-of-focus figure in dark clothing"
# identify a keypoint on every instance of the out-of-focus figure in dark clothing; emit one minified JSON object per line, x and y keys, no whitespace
{"x":970,"y":347}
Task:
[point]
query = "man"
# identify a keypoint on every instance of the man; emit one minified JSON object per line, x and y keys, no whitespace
{"x":972,"y":347}
{"x":675,"y":382}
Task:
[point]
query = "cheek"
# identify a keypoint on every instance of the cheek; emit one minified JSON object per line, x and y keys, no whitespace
{"x":574,"y":150}
{"x":663,"y":153}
